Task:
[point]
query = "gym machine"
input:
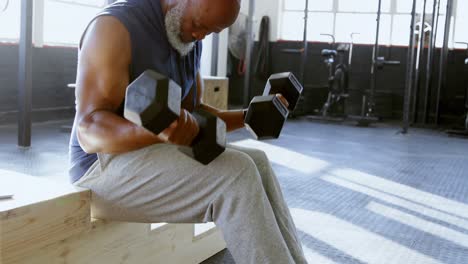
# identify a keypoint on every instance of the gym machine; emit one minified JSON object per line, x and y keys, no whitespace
{"x":411,"y":109}
{"x":337,"y":78}
{"x":409,"y":71}
{"x":466,"y":91}
{"x":368,"y":116}
{"x":464,"y":131}
{"x":466,"y":101}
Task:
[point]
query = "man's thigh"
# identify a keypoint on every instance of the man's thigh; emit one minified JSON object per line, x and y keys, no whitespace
{"x":160,"y":183}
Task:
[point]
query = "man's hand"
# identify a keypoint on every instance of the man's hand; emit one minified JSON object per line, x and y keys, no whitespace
{"x":182,"y":131}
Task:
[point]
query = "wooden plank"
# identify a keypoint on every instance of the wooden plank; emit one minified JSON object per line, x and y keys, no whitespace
{"x":29,"y":190}
{"x":48,"y":222}
{"x":40,"y":213}
{"x":129,"y":243}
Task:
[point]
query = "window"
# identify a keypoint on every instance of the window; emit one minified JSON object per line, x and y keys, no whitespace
{"x":323,"y":5}
{"x":461,"y":32}
{"x":65,"y":21}
{"x":362,"y":6}
{"x":299,"y":5}
{"x":405,"y":6}
{"x":90,"y":3}
{"x":10,"y":20}
{"x":295,"y":5}
{"x":365,"y":25}
{"x":343,"y":17}
{"x":402,"y":35}
{"x":292,"y":26}
{"x":325,"y":20}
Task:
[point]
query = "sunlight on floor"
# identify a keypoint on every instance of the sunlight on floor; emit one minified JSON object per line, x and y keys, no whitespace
{"x":285,"y":157}
{"x":419,"y":223}
{"x":420,"y":209}
{"x":403,"y":191}
{"x":314,"y":257}
{"x":355,"y":241}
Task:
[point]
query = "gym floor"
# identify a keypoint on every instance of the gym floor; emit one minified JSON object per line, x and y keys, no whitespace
{"x":357,"y":195}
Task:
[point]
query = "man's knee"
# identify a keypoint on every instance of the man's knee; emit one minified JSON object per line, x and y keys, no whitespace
{"x":238,"y":159}
{"x":241,"y":165}
{"x":259,"y":156}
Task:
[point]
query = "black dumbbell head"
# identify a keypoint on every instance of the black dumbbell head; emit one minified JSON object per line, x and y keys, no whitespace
{"x":265,"y":117}
{"x":286,"y":84}
{"x":152,"y":101}
{"x":211,"y":140}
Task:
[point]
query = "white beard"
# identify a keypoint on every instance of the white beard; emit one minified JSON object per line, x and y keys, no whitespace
{"x":173,"y":22}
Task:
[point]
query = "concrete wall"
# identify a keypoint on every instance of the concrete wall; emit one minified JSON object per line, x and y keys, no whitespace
{"x":270,"y":8}
{"x":53,"y":69}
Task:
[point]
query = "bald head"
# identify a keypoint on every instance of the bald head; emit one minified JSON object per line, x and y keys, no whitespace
{"x":218,"y":13}
{"x":203,"y":17}
{"x":190,"y":20}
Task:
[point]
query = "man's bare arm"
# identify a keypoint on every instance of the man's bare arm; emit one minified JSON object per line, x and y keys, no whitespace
{"x":103,"y":76}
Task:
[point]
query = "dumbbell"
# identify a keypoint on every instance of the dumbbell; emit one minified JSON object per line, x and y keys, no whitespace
{"x":266,"y":114}
{"x":153,"y":101}
{"x":211,"y":140}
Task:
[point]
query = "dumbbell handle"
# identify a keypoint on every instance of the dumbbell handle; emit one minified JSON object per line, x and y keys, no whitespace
{"x":203,"y":123}
{"x":211,"y":140}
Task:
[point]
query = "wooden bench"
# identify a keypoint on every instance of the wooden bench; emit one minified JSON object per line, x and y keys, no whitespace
{"x":48,"y":222}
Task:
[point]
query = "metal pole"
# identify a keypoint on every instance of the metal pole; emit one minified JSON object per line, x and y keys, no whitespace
{"x":418,"y":63}
{"x":443,"y":59}
{"x":436,"y":26}
{"x":376,"y":52}
{"x":430,"y":61}
{"x":351,"y":50}
{"x":305,"y":52}
{"x":248,"y":52}
{"x":25,"y":75}
{"x":214,"y":55}
{"x":409,"y":71}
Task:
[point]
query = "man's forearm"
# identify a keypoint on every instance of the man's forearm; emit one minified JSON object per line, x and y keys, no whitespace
{"x":234,"y":119}
{"x":106,"y":132}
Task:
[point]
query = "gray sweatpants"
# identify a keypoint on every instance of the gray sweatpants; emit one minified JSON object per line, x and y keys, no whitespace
{"x":238,"y":191}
